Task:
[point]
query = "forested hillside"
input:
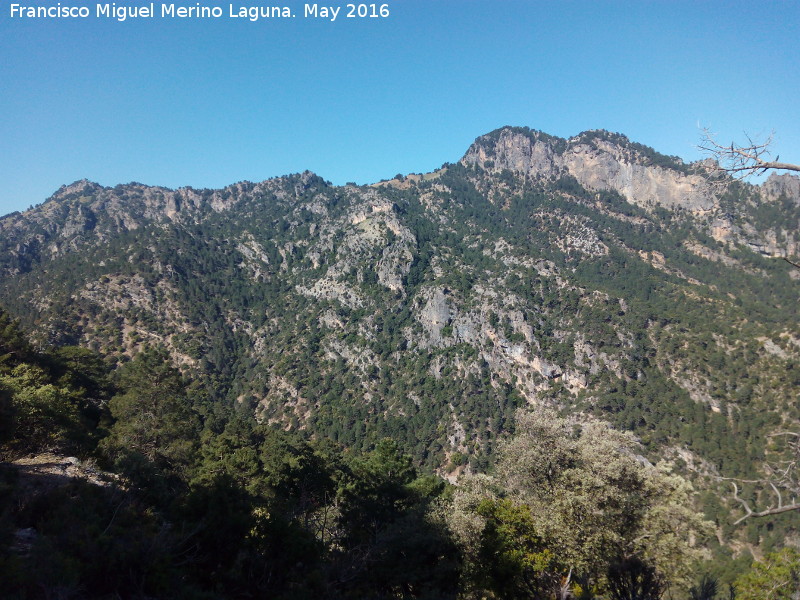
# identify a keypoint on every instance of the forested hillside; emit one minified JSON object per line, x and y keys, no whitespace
{"x":169,"y":497}
{"x":591,"y":276}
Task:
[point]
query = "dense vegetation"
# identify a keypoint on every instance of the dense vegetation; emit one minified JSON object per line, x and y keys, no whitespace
{"x":198,"y":504}
{"x":310,"y":323}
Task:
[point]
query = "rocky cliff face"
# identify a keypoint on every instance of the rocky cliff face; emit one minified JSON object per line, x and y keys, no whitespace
{"x":598,"y":161}
{"x":783,"y":185}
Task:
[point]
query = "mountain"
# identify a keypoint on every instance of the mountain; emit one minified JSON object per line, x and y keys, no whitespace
{"x":591,"y":273}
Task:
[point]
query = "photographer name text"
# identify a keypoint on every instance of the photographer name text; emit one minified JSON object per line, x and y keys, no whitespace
{"x":125,"y":12}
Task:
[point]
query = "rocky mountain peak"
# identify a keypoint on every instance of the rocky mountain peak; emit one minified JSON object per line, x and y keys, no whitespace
{"x":782,"y":185}
{"x":520,"y":150}
{"x":598,"y":160}
{"x":82,"y":187}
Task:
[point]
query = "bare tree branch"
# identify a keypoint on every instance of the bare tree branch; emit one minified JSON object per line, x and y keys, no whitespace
{"x":783,"y":478}
{"x":738,"y":162}
{"x":749,"y":512}
{"x":741,"y":161}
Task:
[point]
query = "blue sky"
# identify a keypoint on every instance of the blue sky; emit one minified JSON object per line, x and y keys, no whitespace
{"x":211,"y":102}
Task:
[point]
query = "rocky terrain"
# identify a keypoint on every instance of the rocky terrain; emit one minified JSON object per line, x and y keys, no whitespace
{"x":590,"y":273}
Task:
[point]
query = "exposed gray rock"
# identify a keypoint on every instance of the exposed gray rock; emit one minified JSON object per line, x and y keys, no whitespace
{"x":783,"y":184}
{"x":602,"y":165}
{"x":436,"y":313}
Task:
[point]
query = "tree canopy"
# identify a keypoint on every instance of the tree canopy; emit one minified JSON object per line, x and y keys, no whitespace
{"x":585,"y":502}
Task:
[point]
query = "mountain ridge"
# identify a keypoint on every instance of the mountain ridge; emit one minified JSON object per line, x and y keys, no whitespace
{"x":535,"y":269}
{"x":596,"y":159}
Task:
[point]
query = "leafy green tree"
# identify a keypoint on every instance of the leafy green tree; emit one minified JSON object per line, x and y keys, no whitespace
{"x":47,"y":402}
{"x":155,"y":426}
{"x":284,"y":474}
{"x":42,"y":415}
{"x":378,"y":490}
{"x":516,"y":561}
{"x":595,"y":498}
{"x":394,"y":545}
{"x":592,"y":501}
{"x":14,"y":346}
{"x":777,"y":577}
{"x":83,"y":369}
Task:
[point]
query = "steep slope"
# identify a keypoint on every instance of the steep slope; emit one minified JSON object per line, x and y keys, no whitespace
{"x":592,"y":273}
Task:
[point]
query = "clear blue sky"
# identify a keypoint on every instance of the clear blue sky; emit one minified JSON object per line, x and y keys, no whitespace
{"x":211,"y":102}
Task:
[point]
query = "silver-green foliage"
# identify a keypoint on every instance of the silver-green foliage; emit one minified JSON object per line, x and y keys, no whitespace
{"x":593,"y":500}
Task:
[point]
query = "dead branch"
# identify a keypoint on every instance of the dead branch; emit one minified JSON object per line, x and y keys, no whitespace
{"x":774,"y":510}
{"x":741,"y":161}
{"x":749,"y":512}
{"x":782,"y":478}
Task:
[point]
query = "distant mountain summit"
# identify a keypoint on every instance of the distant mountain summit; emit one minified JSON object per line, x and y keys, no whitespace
{"x":591,"y":273}
{"x":597,"y":160}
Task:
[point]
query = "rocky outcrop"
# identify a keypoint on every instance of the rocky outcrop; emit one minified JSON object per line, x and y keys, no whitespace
{"x":84,"y":212}
{"x":436,"y":313}
{"x":605,"y":166}
{"x":784,"y":184}
{"x":526,"y":153}
{"x":596,"y":163}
